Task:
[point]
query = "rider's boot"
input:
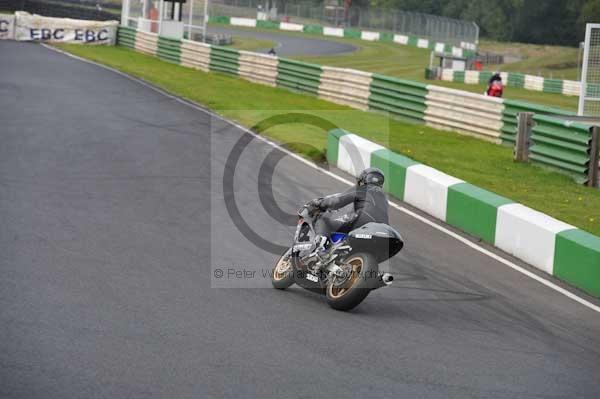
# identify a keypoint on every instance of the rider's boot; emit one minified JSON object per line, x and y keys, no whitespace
{"x":322,"y":247}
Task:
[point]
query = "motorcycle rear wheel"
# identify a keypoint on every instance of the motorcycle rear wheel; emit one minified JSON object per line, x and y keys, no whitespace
{"x":355,"y":288}
{"x":283,"y":272}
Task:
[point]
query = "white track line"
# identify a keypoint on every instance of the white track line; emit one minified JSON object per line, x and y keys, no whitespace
{"x":431,"y":223}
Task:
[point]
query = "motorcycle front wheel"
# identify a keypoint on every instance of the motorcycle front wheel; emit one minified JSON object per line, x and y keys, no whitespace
{"x":348,"y":291}
{"x":283,"y":273}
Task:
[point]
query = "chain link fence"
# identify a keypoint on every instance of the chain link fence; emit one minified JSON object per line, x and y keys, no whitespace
{"x":589,"y":100}
{"x":447,"y":30}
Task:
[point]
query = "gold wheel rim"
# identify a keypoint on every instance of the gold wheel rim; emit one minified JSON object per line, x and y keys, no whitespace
{"x":338,"y":292}
{"x":283,"y":266}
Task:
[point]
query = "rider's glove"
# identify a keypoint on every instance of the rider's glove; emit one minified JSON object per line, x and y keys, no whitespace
{"x":315,"y":204}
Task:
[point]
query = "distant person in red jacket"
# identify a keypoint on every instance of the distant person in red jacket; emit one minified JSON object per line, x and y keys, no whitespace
{"x":495,"y":86}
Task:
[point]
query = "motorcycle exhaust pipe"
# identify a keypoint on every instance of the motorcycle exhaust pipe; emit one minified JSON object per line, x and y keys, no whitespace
{"x":384,"y":280}
{"x":387,"y":278}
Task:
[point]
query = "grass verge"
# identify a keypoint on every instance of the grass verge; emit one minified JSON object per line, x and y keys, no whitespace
{"x":478,"y":162}
{"x":537,"y":59}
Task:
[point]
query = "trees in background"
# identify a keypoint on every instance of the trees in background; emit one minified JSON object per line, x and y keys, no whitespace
{"x":531,"y":21}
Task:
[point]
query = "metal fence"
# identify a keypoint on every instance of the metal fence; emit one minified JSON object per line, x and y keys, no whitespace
{"x":447,"y":30}
{"x":589,"y":98}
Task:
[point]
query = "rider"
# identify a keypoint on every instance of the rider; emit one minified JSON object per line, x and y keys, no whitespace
{"x":369,"y":201}
{"x":495,"y":86}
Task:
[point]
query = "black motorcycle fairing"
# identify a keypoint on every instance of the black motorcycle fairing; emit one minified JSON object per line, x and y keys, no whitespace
{"x":380,"y":239}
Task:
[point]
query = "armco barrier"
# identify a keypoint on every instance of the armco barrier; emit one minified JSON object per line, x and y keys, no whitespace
{"x":195,"y":55}
{"x":224,"y":60}
{"x":346,"y":87}
{"x":450,"y":109}
{"x":514,"y":79}
{"x":299,"y":76}
{"x":561,"y":145}
{"x":401,"y":98}
{"x":258,"y":68}
{"x":464,"y":50}
{"x":550,"y":245}
{"x":126,"y":36}
{"x":509,"y":118}
{"x":146,"y":43}
{"x":169,"y":49}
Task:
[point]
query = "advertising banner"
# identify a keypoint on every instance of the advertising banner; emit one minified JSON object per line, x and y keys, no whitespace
{"x":30,"y":27}
{"x":7,"y":26}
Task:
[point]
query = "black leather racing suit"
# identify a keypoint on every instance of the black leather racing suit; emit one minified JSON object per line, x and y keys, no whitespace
{"x":370,"y":204}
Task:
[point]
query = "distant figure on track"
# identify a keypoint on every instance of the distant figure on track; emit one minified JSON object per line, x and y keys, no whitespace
{"x":495,"y":86}
{"x":272,"y":52}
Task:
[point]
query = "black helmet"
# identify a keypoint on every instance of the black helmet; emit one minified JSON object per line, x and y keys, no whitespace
{"x":371,"y":176}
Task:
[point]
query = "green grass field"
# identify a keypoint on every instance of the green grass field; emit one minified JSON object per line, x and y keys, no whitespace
{"x":548,"y":61}
{"x":409,"y":63}
{"x":486,"y":165}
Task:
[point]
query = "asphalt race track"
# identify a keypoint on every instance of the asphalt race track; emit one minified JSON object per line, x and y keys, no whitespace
{"x":114,"y":223}
{"x":288,"y":45}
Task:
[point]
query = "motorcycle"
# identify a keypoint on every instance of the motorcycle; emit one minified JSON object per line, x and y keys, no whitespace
{"x":496,"y":89}
{"x":347,"y":271}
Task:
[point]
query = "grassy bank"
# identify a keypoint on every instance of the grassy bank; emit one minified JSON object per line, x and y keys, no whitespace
{"x":478,"y":162}
{"x":537,"y":59}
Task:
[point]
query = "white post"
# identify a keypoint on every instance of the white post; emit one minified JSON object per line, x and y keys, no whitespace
{"x":205,"y":21}
{"x":190,"y":19}
{"x":161,"y":4}
{"x":584,"y":69}
{"x":125,"y":13}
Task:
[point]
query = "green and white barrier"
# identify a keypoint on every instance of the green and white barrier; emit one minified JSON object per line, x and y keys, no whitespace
{"x":337,"y":32}
{"x":512,"y":108}
{"x":126,"y":37}
{"x":224,"y":60}
{"x":346,"y":87}
{"x":258,"y":68}
{"x":528,"y":235}
{"x":169,"y":50}
{"x":513,"y":79}
{"x":548,"y":244}
{"x":146,"y":42}
{"x":427,"y":189}
{"x":247,"y":22}
{"x":401,"y":98}
{"x":369,"y":36}
{"x":291,"y":27}
{"x":464,"y":50}
{"x":195,"y":55}
{"x":562,"y":145}
{"x":469,"y":113}
{"x":299,"y":76}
